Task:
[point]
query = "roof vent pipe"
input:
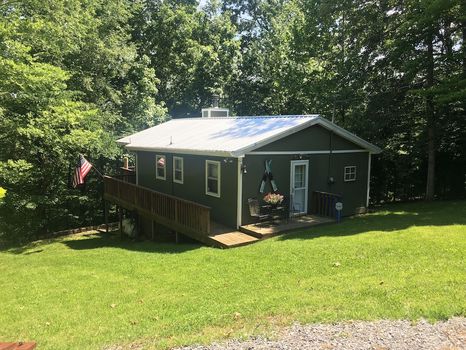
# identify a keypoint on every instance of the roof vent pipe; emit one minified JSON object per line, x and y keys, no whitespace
{"x":215,"y":101}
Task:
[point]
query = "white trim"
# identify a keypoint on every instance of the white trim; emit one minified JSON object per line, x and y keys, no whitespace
{"x":219,"y":180}
{"x":182,"y":170}
{"x":315,"y":120}
{"x":306,"y":192}
{"x":350,"y":173}
{"x":182,"y":151}
{"x":136,"y":167}
{"x":368,"y":179}
{"x":349,"y":136}
{"x":157,"y":157}
{"x":287,"y":132}
{"x":308,"y":152}
{"x":239,"y":203}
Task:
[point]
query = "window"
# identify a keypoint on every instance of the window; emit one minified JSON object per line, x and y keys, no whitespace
{"x":160,"y":166}
{"x":178,"y":171}
{"x":350,"y":173}
{"x":212,"y":178}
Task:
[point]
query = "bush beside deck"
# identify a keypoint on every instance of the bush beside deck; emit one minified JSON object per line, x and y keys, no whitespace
{"x":93,"y":290}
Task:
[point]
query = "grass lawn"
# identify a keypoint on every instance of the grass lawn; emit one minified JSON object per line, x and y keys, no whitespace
{"x":89,"y":291}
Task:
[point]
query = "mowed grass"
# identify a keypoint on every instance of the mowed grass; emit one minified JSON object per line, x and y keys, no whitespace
{"x":93,"y":291}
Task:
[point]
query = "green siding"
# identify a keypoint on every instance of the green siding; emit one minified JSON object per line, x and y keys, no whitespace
{"x":314,"y":138}
{"x":321,"y":167}
{"x":223,"y":209}
{"x":354,"y":193}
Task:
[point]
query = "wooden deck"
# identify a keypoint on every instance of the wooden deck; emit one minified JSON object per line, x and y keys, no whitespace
{"x":189,"y":218}
{"x":270,"y":229}
{"x":193,"y":219}
{"x":226,"y":237}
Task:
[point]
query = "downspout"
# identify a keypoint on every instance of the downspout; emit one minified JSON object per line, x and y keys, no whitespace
{"x":239,"y":199}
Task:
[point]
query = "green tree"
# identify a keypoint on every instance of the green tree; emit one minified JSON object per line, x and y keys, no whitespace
{"x":70,"y":81}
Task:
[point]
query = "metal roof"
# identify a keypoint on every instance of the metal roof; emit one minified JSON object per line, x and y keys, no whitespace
{"x":229,"y":136}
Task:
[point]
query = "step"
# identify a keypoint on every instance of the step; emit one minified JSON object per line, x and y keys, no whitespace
{"x":233,"y":239}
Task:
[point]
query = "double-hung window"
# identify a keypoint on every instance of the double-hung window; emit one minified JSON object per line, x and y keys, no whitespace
{"x":178,"y":170}
{"x":160,"y":167}
{"x":350,"y":173}
{"x":212,"y":178}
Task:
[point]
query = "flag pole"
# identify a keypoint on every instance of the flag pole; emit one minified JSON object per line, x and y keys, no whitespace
{"x":98,"y":172}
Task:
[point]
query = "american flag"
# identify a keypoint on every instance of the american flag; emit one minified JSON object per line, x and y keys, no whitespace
{"x":82,"y":168}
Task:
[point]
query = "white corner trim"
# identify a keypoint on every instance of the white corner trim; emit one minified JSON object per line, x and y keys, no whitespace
{"x":136,"y":167}
{"x":309,"y":152}
{"x":239,"y":201}
{"x":368,"y":179}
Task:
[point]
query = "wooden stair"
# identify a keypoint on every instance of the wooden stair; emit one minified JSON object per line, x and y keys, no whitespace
{"x":233,"y":239}
{"x":226,"y":237}
{"x":265,"y":231}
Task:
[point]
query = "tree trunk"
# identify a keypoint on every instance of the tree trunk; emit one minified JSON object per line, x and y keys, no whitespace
{"x":430,"y":115}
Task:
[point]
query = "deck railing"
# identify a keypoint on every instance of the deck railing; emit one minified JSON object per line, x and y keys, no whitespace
{"x":177,"y":213}
{"x":324,"y":203}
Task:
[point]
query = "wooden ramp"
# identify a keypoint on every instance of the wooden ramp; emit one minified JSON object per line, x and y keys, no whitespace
{"x":270,"y":229}
{"x":226,"y":237}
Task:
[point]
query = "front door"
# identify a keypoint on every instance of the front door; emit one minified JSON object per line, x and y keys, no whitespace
{"x":299,"y":186}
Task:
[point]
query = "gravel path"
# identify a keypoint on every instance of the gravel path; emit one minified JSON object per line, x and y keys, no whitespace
{"x":379,"y":335}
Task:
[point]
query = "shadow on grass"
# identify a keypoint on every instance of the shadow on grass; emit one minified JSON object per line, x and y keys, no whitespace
{"x":108,"y":240}
{"x":389,"y":219}
{"x":101,"y":240}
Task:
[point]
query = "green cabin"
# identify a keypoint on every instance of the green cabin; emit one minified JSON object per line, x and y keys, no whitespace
{"x":220,"y":162}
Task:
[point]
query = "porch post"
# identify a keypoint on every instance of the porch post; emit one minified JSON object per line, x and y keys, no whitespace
{"x":368,"y":180}
{"x":239,"y":198}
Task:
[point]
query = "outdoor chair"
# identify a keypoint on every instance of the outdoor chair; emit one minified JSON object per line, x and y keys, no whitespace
{"x":255,"y":211}
{"x":291,"y":210}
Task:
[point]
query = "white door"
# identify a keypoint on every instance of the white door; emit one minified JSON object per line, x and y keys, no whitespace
{"x":299,"y":186}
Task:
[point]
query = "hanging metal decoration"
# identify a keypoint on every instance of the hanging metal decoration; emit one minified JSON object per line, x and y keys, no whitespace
{"x":268,"y":176}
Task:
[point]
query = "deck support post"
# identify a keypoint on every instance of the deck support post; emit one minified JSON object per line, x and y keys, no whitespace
{"x":120,"y":220}
{"x":176,"y":237}
{"x":153,"y":230}
{"x":138,"y":225}
{"x":106,"y":215}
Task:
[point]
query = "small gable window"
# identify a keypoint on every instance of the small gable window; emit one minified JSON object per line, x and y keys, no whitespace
{"x":350,"y":173}
{"x":160,"y":167}
{"x":178,"y":171}
{"x":212,"y":178}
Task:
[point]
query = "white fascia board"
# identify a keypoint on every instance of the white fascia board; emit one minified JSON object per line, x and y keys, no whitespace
{"x":124,"y":141}
{"x":308,"y":152}
{"x":242,"y":151}
{"x":349,"y":136}
{"x":182,"y":151}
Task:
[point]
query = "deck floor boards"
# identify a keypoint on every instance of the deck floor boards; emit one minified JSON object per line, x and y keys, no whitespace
{"x":270,"y":229}
{"x":228,"y":237}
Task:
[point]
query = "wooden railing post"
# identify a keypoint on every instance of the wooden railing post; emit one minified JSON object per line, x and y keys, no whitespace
{"x":182,"y":213}
{"x":324,"y":203}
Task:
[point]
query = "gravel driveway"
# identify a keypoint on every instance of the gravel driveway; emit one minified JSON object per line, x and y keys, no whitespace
{"x":377,"y":335}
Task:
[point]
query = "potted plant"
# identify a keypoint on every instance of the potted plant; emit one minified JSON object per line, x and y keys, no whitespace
{"x":273,"y":199}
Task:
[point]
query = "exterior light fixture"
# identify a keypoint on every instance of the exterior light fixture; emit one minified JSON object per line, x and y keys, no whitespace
{"x":243,"y":169}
